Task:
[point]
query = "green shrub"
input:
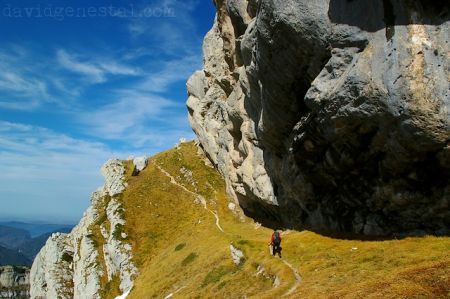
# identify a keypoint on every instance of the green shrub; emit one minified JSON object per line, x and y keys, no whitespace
{"x":242,"y":242}
{"x":180,"y":246}
{"x":189,"y":259}
{"x":121,"y":212}
{"x":118,"y":230}
{"x":215,"y":275}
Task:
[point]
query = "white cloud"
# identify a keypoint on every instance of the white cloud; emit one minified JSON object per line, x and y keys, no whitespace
{"x":70,"y":63}
{"x":37,"y":145}
{"x":94,"y":70}
{"x":172,"y":72}
{"x":11,"y":81}
{"x":45,"y":170}
{"x":118,"y":69}
{"x":129,"y":110}
{"x":139,"y":114}
{"x":42,"y":166}
{"x":20,"y":85}
{"x":152,"y":139}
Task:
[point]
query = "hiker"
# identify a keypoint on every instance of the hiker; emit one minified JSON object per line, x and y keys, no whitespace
{"x":275,"y":242}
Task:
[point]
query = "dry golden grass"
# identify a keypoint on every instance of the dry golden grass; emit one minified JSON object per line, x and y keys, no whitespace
{"x":178,"y":248}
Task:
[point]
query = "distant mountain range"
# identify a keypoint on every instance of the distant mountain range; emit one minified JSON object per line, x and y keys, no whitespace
{"x":20,"y":242}
{"x":36,"y":229}
{"x":13,"y":257}
{"x":11,"y":237}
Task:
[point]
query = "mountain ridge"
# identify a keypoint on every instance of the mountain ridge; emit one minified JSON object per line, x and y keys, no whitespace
{"x":19,"y":241}
{"x":13,"y":257}
{"x":36,"y":228}
{"x":185,"y":234}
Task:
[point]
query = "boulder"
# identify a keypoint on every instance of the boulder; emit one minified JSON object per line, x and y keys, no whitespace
{"x":140,"y":163}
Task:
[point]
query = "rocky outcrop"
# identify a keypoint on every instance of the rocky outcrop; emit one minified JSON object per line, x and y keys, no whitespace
{"x":11,"y":276}
{"x":140,"y":163}
{"x":14,"y":282}
{"x":331,"y":115}
{"x":236,"y":255}
{"x":77,"y":265}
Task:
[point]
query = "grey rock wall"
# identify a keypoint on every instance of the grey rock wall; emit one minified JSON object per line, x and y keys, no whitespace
{"x":14,"y":282}
{"x":331,"y":115}
{"x":74,"y":265}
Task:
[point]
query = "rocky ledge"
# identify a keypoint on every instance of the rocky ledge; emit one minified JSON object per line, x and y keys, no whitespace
{"x":331,"y":115}
{"x":14,"y":282}
{"x":95,"y":253}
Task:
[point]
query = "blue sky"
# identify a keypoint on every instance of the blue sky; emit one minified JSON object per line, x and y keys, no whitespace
{"x":82,"y":82}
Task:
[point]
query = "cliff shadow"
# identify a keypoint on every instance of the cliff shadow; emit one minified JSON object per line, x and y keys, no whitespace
{"x":372,"y":16}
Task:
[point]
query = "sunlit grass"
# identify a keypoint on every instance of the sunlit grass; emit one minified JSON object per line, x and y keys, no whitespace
{"x":178,"y":248}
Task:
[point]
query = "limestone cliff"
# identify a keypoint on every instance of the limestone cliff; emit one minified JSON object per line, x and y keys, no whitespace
{"x":95,"y":255}
{"x":331,"y":114}
{"x":14,"y":282}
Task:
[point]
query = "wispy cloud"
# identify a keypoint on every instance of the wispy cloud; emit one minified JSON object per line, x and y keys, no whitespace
{"x":91,"y":71}
{"x":131,"y":109}
{"x":118,"y":69}
{"x":95,"y":71}
{"x":40,"y":165}
{"x":41,"y":145}
{"x":96,"y":102}
{"x":172,"y":71}
{"x":20,"y":85}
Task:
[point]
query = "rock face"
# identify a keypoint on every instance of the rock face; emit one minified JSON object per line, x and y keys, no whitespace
{"x":14,"y":282}
{"x":140,"y":163}
{"x":76,"y":265}
{"x":332,"y":115}
{"x":236,"y":255}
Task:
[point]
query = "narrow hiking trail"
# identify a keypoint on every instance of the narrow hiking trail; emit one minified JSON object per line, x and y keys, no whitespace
{"x":203,"y":202}
{"x":298,"y":279}
{"x":200,"y":198}
{"x":174,"y":293}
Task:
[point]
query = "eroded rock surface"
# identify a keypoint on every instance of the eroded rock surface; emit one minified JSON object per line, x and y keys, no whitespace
{"x":332,"y":115}
{"x":75,"y":265}
{"x":140,"y":163}
{"x":236,"y":255}
{"x":14,"y":282}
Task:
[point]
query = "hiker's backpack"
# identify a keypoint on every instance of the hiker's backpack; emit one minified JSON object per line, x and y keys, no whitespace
{"x":276,"y":238}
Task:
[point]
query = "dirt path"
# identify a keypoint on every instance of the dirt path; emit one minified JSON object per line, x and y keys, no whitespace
{"x":172,"y":294}
{"x":200,"y":198}
{"x":298,"y":279}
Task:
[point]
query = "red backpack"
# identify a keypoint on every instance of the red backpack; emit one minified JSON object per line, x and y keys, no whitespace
{"x":276,"y":238}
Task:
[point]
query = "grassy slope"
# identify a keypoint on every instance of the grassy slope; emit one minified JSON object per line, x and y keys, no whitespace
{"x":178,"y":247}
